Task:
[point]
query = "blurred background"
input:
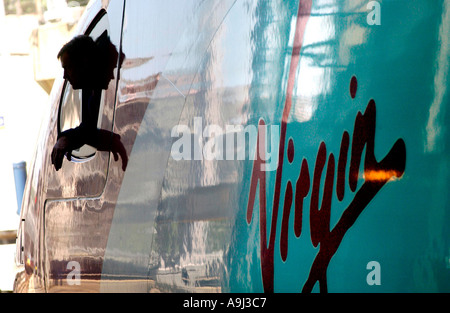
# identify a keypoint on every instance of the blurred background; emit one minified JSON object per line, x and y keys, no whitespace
{"x":31,"y":34}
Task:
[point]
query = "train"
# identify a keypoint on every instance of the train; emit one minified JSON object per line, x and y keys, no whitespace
{"x":280,"y":146}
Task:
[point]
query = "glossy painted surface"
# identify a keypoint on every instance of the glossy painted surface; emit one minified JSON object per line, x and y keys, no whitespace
{"x":339,"y":80}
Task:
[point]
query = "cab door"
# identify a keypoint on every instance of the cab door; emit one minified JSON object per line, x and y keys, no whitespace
{"x":75,"y":219}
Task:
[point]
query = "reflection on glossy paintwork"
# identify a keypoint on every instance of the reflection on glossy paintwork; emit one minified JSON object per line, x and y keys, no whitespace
{"x":153,"y":143}
{"x":435,"y":123}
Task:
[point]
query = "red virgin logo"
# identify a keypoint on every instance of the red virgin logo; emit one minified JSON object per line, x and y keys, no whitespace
{"x":375,"y":175}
